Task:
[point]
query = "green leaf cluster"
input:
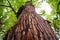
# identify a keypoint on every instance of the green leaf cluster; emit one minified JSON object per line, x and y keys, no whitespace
{"x":55,"y":14}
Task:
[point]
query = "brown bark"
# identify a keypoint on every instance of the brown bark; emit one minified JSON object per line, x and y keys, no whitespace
{"x":31,"y":26}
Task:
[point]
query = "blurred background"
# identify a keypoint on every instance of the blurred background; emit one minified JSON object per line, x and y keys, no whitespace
{"x":48,"y":9}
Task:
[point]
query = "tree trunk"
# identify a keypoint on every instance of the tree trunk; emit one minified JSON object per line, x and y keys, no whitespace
{"x":30,"y":26}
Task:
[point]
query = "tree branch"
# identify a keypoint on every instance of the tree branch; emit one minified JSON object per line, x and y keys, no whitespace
{"x":5,"y":5}
{"x":11,"y":7}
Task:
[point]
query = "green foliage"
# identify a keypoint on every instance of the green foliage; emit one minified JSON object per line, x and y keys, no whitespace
{"x":7,"y":19}
{"x":56,"y":24}
{"x":16,"y":4}
{"x":55,"y":5}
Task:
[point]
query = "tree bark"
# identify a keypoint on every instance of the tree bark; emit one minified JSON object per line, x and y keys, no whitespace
{"x":30,"y":26}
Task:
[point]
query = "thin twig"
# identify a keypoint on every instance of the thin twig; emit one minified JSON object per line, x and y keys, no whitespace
{"x":11,"y":7}
{"x":5,"y":5}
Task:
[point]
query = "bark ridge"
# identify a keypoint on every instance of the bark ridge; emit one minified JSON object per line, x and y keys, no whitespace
{"x":31,"y":26}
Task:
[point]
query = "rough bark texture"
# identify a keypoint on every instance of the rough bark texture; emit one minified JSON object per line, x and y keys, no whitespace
{"x":30,"y":26}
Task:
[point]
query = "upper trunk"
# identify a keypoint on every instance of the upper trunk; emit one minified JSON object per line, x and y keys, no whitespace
{"x":31,"y":26}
